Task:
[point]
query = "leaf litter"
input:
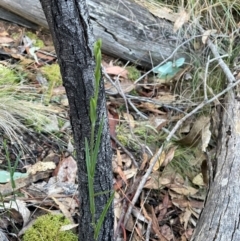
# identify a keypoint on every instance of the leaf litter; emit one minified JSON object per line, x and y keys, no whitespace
{"x":140,"y":116}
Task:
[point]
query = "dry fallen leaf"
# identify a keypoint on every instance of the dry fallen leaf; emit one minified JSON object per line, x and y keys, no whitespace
{"x":5,"y":40}
{"x":198,"y":180}
{"x":185,"y":216}
{"x":159,"y":162}
{"x":129,"y":118}
{"x":66,"y":170}
{"x":192,"y":139}
{"x":184,"y":190}
{"x":40,"y":167}
{"x":117,"y":70}
{"x":206,"y":35}
{"x":182,"y":18}
{"x":206,"y":136}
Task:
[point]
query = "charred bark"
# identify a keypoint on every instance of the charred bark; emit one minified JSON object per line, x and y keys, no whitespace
{"x":73,"y":40}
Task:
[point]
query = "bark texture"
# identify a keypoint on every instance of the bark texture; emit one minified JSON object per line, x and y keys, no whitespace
{"x":128,"y":30}
{"x":73,"y":39}
{"x":220,"y":218}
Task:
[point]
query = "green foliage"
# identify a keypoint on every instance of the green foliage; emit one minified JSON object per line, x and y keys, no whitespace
{"x":47,"y":228}
{"x":91,"y":150}
{"x":7,"y":76}
{"x":53,"y":75}
{"x":36,"y":41}
{"x":133,"y":73}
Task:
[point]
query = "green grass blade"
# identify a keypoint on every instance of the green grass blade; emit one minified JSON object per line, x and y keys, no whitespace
{"x":103,"y":215}
{"x":97,"y":144}
{"x":90,"y":178}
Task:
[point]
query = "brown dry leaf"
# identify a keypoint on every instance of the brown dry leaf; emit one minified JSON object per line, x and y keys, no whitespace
{"x":159,"y":11}
{"x":198,"y":180}
{"x":159,"y":162}
{"x":165,"y":13}
{"x":45,"y":56}
{"x":206,"y":35}
{"x":156,"y":181}
{"x":4,"y":33}
{"x":63,"y":209}
{"x":206,"y":136}
{"x":66,"y":170}
{"x":118,"y":169}
{"x":151,"y":107}
{"x":184,"y":190}
{"x":192,"y":139}
{"x":144,"y":161}
{"x":184,"y":217}
{"x":68,"y":227}
{"x":117,"y":70}
{"x":17,"y":210}
{"x":182,"y":18}
{"x":129,"y":118}
{"x":117,"y":205}
{"x":112,"y":122}
{"x":130,"y":173}
{"x":163,"y":208}
{"x":119,"y":159}
{"x":117,"y":184}
{"x":155,"y":226}
{"x":169,"y":156}
{"x":5,"y":40}
{"x":167,"y":232}
{"x":127,"y":160}
{"x":183,"y":203}
{"x":158,"y":121}
{"x":166,"y":98}
{"x":125,"y":85}
{"x":41,"y":167}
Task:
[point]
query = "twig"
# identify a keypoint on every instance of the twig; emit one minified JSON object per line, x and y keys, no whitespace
{"x":137,"y":111}
{"x":205,"y":80}
{"x":148,"y":230}
{"x":222,"y":64}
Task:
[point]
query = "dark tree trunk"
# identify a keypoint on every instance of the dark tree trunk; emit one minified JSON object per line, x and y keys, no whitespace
{"x":73,"y":39}
{"x":128,"y":30}
{"x":220,"y":219}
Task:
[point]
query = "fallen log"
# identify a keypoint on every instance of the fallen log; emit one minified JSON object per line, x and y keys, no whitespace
{"x":220,"y":217}
{"x":128,"y":30}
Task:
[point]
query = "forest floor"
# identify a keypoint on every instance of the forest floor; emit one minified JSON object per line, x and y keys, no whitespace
{"x":38,"y":172}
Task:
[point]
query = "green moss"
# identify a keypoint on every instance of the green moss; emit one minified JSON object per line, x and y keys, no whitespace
{"x":133,"y":73}
{"x":53,"y":75}
{"x":37,"y":42}
{"x":46,"y":228}
{"x":7,"y":76}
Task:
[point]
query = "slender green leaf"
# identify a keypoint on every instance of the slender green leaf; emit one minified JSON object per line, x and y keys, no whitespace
{"x":103,"y":215}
